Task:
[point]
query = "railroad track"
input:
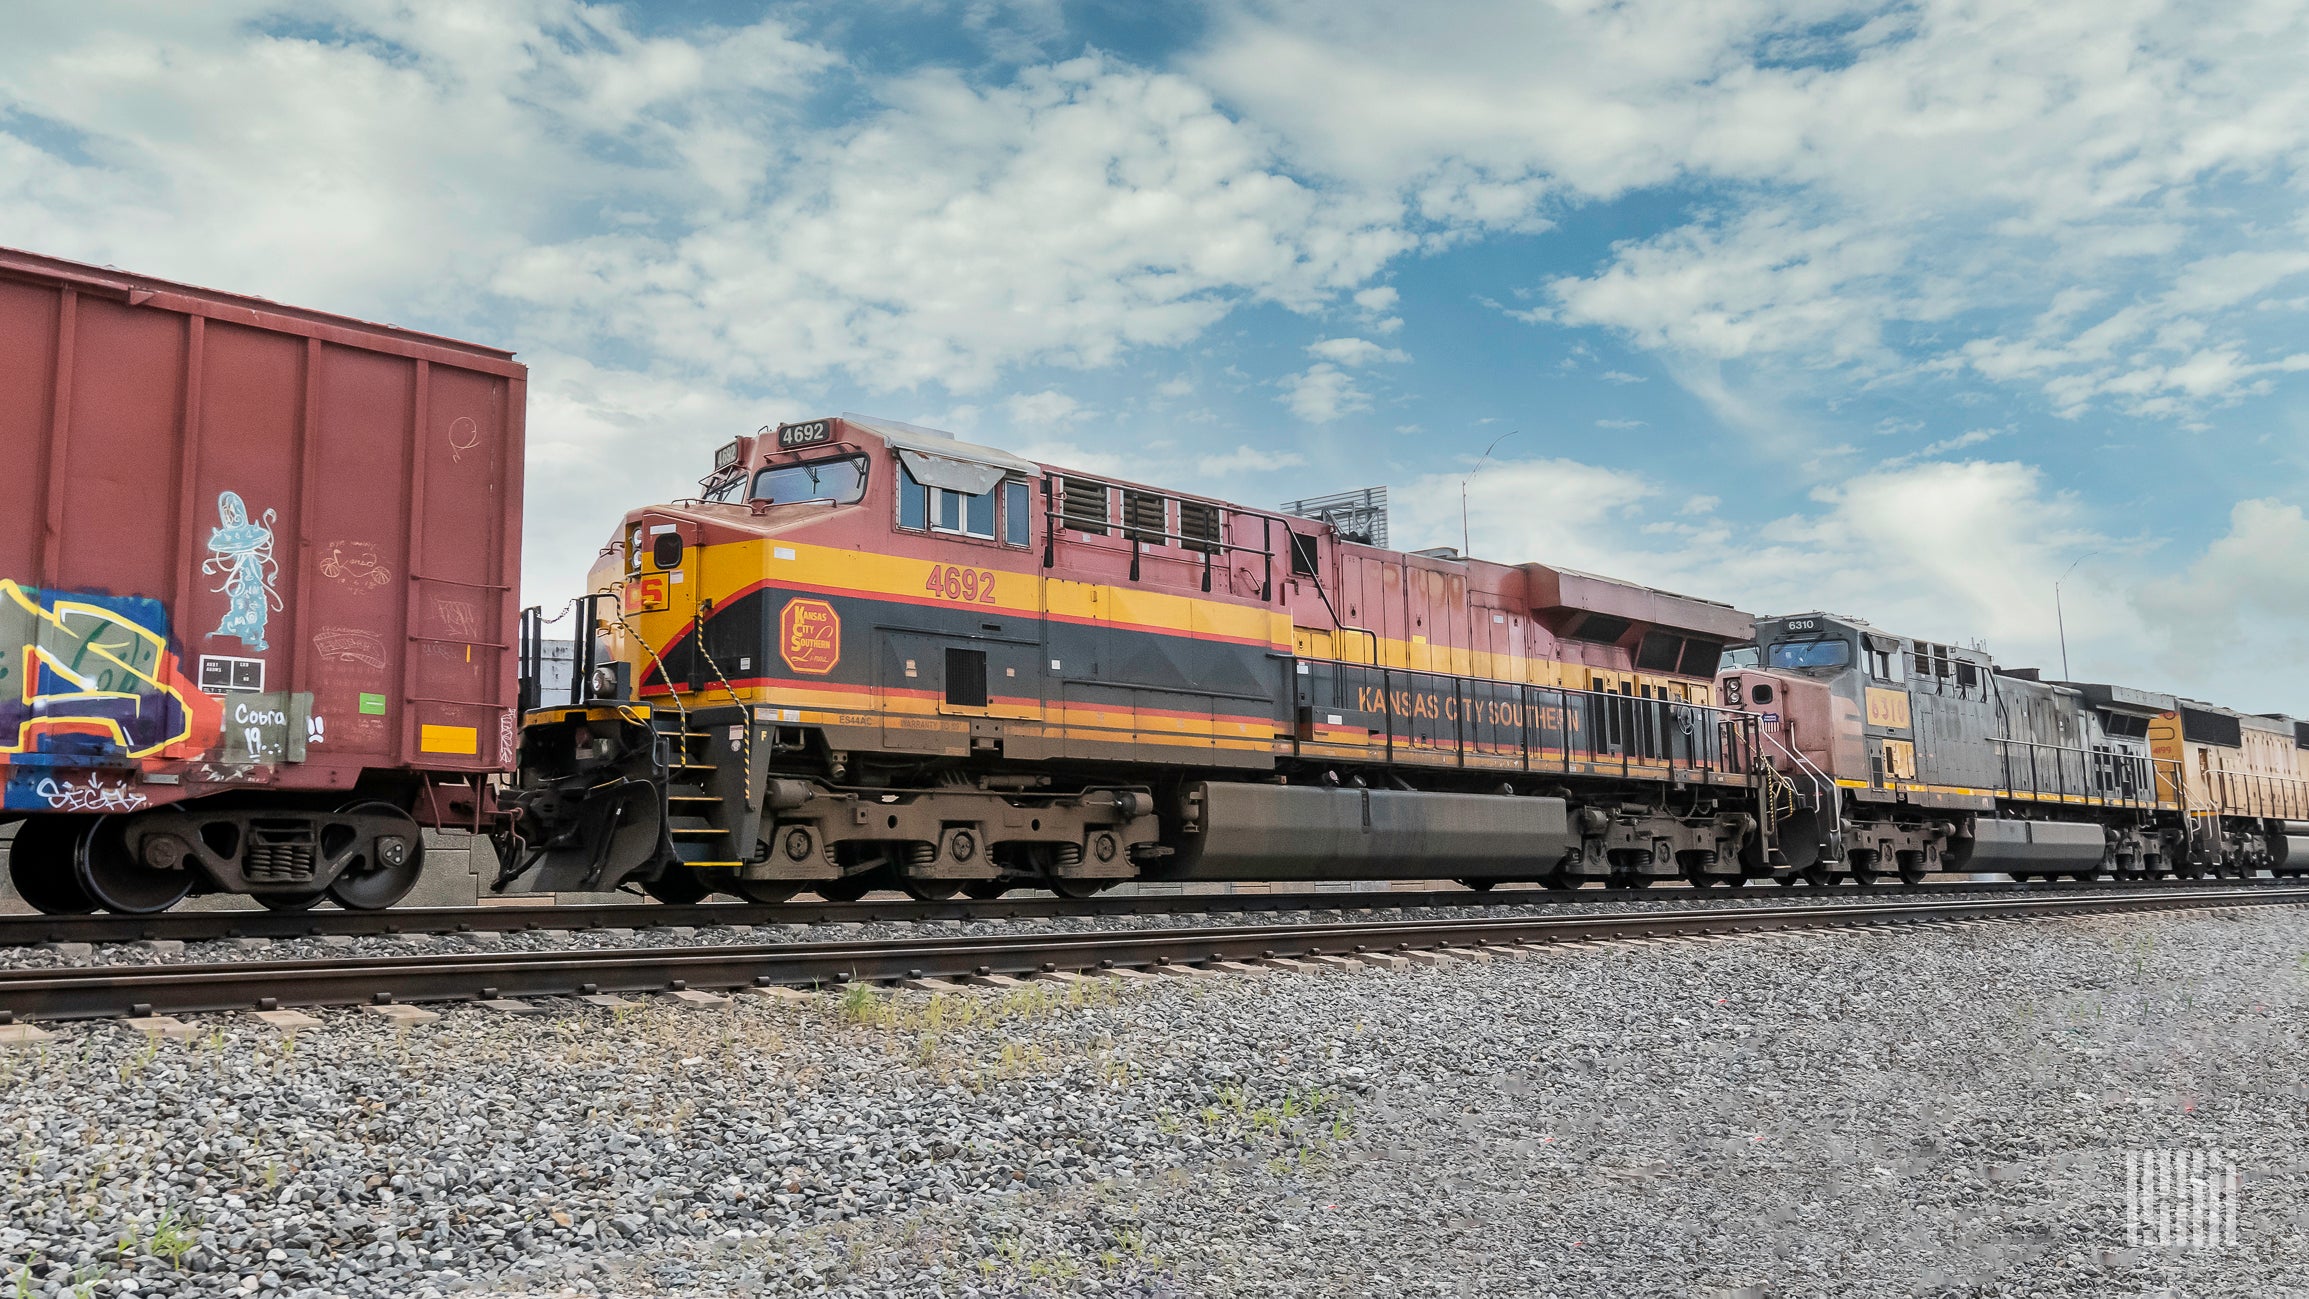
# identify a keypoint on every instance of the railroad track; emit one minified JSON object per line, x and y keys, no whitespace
{"x":208,"y":926}
{"x":87,"y":992}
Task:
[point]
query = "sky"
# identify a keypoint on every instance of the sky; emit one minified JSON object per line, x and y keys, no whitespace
{"x":1908,"y":311}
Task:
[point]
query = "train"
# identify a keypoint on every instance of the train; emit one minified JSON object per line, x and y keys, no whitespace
{"x":870,"y":655}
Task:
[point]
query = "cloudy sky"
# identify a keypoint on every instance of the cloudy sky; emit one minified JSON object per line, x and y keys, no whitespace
{"x":1901,"y":310}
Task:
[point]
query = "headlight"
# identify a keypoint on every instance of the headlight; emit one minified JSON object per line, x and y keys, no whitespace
{"x":603,"y":683}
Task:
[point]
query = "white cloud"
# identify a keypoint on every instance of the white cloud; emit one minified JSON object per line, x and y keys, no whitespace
{"x":1249,"y":460}
{"x":1085,"y":209}
{"x":383,"y":154}
{"x":1377,"y":299}
{"x":1355,"y":352}
{"x":1621,"y":376}
{"x":2238,"y":613}
{"x":1322,"y":393}
{"x":1049,"y":408}
{"x":1619,"y":423}
{"x":1868,"y":171}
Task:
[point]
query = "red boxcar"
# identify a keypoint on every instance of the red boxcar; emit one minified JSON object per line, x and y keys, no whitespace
{"x":258,"y":573}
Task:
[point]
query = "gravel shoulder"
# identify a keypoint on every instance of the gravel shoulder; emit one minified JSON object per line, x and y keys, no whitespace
{"x":1924,"y":1111}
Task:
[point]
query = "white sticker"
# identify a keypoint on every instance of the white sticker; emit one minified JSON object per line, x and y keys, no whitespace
{"x":663,"y":527}
{"x":1010,"y":672}
{"x":744,"y":663}
{"x":1336,"y":719}
{"x":677,"y":579}
{"x":1054,"y":665}
{"x":782,"y":552}
{"x":1302,"y":669}
{"x":789,"y":714}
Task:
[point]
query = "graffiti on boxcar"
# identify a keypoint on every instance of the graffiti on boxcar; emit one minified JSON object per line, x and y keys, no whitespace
{"x":350,"y":645}
{"x":87,"y":794}
{"x":355,"y":564}
{"x":240,"y":551}
{"x":464,"y":435}
{"x":91,"y":676}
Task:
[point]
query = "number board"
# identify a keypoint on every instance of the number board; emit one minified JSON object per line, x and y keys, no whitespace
{"x":1801,"y":624}
{"x":802,"y":435}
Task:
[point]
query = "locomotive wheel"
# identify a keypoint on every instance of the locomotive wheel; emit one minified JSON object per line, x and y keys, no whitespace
{"x":40,"y":866}
{"x":1479,"y":885}
{"x":1733,"y":881}
{"x":1818,"y":877}
{"x":290,"y":901}
{"x":115,"y":880}
{"x":1790,"y":880}
{"x":1700,"y":879}
{"x":678,"y":886}
{"x":765,"y":891}
{"x":922,"y":890}
{"x":1067,"y":888}
{"x":849,"y":888}
{"x":371,"y":882}
{"x":985,"y":890}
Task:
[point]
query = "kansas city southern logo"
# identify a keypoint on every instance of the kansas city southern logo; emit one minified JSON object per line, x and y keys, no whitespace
{"x":810,"y":636}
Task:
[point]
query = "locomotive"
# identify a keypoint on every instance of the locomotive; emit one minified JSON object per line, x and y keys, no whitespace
{"x":1912,"y":757}
{"x":871,"y":655}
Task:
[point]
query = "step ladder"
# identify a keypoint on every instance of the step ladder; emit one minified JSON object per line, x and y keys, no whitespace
{"x":700,"y":766}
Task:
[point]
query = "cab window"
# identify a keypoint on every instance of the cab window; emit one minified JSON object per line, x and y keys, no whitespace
{"x":1798,"y":655}
{"x":841,"y":481}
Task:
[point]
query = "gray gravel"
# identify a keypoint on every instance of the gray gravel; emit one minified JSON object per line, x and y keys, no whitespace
{"x":1934,"y":1111}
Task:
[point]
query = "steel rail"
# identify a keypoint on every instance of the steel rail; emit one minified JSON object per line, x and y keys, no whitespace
{"x":84,"y":992}
{"x":207,"y":926}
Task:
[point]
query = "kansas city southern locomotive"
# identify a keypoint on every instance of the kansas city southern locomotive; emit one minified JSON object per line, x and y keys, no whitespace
{"x":870,"y":655}
{"x":873,"y":656}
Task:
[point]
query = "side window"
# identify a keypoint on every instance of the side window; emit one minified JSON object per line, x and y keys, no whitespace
{"x":971,"y":515}
{"x":1016,"y":527}
{"x":1884,"y":663}
{"x":1306,"y":559}
{"x":913,"y":502}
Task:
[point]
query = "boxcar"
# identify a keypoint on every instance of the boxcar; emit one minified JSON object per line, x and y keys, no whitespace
{"x":257,"y":591}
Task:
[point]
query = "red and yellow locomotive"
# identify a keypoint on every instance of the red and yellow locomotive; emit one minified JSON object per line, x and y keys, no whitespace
{"x":873,"y":656}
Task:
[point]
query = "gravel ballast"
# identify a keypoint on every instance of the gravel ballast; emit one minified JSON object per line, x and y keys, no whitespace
{"x":1916,"y":1111}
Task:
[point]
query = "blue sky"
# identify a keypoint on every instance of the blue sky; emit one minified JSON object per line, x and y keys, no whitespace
{"x":1901,"y":310}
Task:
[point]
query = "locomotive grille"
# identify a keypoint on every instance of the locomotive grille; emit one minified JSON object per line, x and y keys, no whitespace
{"x":278,"y":853}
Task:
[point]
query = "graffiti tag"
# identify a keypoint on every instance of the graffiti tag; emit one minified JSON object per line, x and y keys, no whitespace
{"x":350,"y":645}
{"x":87,"y":795}
{"x":91,"y":674}
{"x":241,"y":553}
{"x":355,"y":564}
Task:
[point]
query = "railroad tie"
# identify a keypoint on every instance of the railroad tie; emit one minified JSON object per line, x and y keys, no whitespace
{"x":167,"y":1027}
{"x":22,"y":1035}
{"x":288,"y":1021}
{"x":401,"y":1016}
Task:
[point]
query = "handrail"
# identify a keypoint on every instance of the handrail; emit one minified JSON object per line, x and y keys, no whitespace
{"x":2098,"y":778}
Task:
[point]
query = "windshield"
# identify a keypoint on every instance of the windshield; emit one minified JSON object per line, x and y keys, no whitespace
{"x":841,"y":481}
{"x":1740,"y":656}
{"x":1799,"y":654}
